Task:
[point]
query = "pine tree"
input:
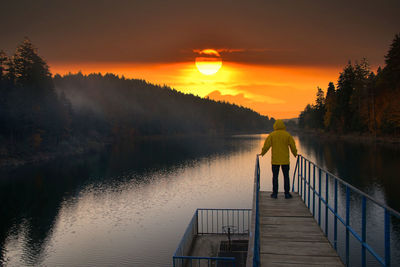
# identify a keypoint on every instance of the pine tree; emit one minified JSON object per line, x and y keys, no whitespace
{"x":344,"y":92}
{"x":392,"y":68}
{"x":320,"y":101}
{"x":319,"y":109}
{"x":330,"y":104}
{"x":359,"y":102}
{"x":29,"y":68}
{"x":33,"y":92}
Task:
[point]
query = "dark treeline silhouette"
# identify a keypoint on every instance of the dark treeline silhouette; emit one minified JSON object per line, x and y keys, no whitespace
{"x":135,"y":107}
{"x":32,"y":115}
{"x":39,"y":113}
{"x":362,"y":101}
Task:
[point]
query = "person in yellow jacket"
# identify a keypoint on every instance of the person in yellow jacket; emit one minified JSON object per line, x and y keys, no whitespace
{"x":280,"y":141}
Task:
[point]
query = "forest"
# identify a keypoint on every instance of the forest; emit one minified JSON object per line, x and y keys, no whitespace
{"x":362,"y":101}
{"x":42,"y":113}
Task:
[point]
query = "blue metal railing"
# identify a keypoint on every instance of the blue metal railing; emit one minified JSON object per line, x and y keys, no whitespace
{"x":208,"y":222}
{"x":253,"y":256}
{"x":304,"y":168}
{"x":256,"y":258}
{"x":217,"y":221}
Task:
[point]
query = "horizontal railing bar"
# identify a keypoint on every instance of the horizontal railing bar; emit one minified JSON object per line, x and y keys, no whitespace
{"x":348,"y":227}
{"x":311,"y":187}
{"x":340,"y":218}
{"x":200,"y":233}
{"x":373,"y":253}
{"x":225,"y":209}
{"x":205,"y":258}
{"x":394,"y":212}
{"x":352,"y":231}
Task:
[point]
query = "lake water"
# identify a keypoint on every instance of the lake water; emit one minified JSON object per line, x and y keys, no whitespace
{"x":130,"y":205}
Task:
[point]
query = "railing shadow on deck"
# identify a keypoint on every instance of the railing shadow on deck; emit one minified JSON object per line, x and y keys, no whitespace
{"x":314,"y":185}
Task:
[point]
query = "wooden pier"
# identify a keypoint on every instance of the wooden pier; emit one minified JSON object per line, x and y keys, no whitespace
{"x":289,"y":235}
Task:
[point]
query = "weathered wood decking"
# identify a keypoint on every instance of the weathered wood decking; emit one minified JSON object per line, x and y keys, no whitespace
{"x":290,"y":236}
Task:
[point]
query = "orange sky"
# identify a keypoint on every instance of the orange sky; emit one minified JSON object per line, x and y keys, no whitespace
{"x":276,"y":91}
{"x":274,"y":53}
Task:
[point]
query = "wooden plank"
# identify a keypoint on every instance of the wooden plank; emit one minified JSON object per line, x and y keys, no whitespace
{"x":293,"y":207}
{"x":292,"y":260}
{"x":281,"y":196}
{"x":289,"y":225}
{"x":290,"y":228}
{"x":310,"y":234}
{"x":281,"y":212}
{"x":300,"y":248}
{"x":286,"y":220}
{"x":290,"y":235}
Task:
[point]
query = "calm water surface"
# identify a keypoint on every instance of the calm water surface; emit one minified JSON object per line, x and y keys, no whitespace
{"x":130,"y":205}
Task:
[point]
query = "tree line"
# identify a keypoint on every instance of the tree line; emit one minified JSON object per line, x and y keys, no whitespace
{"x":362,"y":101}
{"x":39,"y":112}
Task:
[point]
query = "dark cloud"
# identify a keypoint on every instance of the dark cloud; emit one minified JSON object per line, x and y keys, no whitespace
{"x":262,"y":32}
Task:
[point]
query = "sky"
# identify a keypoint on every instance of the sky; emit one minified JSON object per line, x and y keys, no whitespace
{"x":274,"y":53}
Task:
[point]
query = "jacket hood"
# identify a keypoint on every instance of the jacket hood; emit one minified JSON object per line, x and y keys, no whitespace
{"x":279,"y":125}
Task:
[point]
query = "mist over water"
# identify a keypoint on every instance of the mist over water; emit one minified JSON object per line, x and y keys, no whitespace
{"x":130,"y":204}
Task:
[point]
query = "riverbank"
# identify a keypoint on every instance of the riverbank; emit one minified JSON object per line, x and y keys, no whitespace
{"x":350,"y":137}
{"x":65,"y":149}
{"x":81,"y":146}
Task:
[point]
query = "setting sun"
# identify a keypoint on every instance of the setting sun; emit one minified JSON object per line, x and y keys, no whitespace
{"x":208,"y":62}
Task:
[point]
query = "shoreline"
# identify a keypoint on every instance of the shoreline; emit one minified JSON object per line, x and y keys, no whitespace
{"x":8,"y":163}
{"x":351,"y":137}
{"x":95,"y":146}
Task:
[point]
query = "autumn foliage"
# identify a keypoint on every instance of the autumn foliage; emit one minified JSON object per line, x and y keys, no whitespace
{"x":363,"y":101}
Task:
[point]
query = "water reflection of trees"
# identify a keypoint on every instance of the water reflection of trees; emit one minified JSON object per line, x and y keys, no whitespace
{"x":368,"y":166}
{"x":32,"y":196}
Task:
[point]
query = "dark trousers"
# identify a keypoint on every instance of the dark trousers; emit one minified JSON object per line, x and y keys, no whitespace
{"x":275,"y":173}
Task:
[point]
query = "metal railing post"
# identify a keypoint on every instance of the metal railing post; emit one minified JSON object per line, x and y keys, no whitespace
{"x":197,"y":221}
{"x":319,"y":195}
{"x":387,"y":237}
{"x":335,"y":221}
{"x":305,"y":180}
{"x":202,"y":217}
{"x":294,"y":174}
{"x":326,"y":204}
{"x":309,"y":182}
{"x":363,"y":230}
{"x":298,"y":174}
{"x":301,"y":178}
{"x":347,"y":225}
{"x":313,"y":201}
{"x":256,"y":249}
{"x":207,"y":221}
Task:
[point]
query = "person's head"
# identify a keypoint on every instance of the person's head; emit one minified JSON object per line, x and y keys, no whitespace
{"x":279,"y":125}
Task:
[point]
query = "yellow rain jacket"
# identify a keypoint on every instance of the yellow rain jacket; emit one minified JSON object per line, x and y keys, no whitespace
{"x":280,"y":140}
